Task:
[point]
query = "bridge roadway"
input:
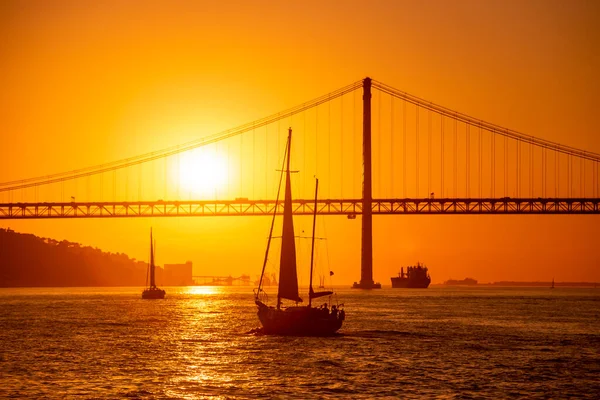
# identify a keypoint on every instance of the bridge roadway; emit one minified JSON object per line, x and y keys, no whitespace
{"x":349,"y":207}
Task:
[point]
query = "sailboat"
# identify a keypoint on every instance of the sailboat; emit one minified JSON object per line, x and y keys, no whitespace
{"x":152,"y":292}
{"x":552,"y":287}
{"x":294,"y":320}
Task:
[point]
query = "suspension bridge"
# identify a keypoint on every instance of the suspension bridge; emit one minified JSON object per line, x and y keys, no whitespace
{"x":376,"y":150}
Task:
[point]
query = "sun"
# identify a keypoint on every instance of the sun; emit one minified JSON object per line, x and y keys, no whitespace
{"x":203,"y":172}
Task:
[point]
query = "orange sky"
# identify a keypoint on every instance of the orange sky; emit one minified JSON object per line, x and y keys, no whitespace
{"x":85,"y":83}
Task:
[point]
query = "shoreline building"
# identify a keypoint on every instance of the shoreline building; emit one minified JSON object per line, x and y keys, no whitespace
{"x":178,"y":274}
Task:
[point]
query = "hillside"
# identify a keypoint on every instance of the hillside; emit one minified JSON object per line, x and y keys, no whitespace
{"x":27,"y":260}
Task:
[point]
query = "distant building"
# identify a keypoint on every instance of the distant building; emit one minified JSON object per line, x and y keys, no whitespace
{"x":178,"y":274}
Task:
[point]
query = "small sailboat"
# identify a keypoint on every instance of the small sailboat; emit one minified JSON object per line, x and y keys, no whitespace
{"x":294,"y":319}
{"x":552,"y":287}
{"x":321,"y":282}
{"x":152,"y":292}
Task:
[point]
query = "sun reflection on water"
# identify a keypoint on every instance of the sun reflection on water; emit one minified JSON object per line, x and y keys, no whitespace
{"x":203,"y":290}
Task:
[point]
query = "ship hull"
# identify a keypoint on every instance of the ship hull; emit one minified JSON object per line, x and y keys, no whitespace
{"x":153,"y":294}
{"x":299,"y":321}
{"x":405,"y":283}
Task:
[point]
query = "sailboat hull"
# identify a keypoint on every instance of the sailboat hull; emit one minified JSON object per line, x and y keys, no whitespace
{"x":299,"y":321}
{"x":153,"y":293}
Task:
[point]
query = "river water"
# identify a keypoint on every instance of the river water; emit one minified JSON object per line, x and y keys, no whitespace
{"x":396,"y":343}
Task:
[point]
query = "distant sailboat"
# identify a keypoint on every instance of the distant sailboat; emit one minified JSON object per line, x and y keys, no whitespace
{"x":552,"y":287}
{"x":152,"y":292}
{"x":321,"y":282}
{"x":294,"y":320}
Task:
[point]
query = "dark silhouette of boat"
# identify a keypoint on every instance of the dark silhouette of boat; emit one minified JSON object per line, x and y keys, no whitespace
{"x":461,"y":282}
{"x":416,"y":277}
{"x":294,"y":319}
{"x":152,"y":292}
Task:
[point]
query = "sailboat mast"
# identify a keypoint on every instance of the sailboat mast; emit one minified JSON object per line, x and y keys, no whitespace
{"x":312,"y":246}
{"x":152,"y":282}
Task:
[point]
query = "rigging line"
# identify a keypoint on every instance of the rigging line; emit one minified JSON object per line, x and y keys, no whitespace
{"x":262,"y":273}
{"x":496,"y":129}
{"x":147,"y":157}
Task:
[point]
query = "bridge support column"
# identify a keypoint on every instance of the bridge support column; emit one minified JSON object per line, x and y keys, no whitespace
{"x":366,"y":269}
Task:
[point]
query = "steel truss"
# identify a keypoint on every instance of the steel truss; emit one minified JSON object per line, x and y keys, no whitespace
{"x":351,"y":208}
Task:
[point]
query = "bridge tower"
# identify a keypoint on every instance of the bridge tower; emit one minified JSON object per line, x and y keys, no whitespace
{"x":366,"y":268}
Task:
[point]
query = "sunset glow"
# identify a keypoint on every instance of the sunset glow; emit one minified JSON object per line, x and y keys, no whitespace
{"x":203,"y":173}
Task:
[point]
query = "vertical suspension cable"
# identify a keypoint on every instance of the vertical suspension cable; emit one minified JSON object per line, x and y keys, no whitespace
{"x":305,"y":152}
{"x":556,"y":170}
{"x":342,"y":147}
{"x":569,"y":176}
{"x":468,"y":156}
{"x":267,"y":161}
{"x":493,"y":165}
{"x":254,"y":177}
{"x":519,"y":178}
{"x":480,"y":159}
{"x":404,"y":148}
{"x":317,"y":140}
{"x":329,"y":147}
{"x":581,"y":177}
{"x":417,"y":150}
{"x":354,"y":191}
{"x":543,"y":172}
{"x":518,"y":172}
{"x":531,"y":164}
{"x":392,"y":146}
{"x":455,"y":157}
{"x":429,"y":153}
{"x":506,"y":166}
{"x":379,"y":140}
{"x":443,"y":194}
{"x":241,"y":164}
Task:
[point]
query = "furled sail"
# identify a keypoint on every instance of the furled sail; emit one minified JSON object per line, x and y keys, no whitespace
{"x":288,"y":276}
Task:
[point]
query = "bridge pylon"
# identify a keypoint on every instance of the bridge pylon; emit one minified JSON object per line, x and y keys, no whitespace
{"x":366,"y":268}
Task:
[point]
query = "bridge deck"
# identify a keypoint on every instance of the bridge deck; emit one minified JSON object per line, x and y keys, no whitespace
{"x":350,"y":207}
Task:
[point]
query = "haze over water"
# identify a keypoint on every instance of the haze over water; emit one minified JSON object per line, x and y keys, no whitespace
{"x":396,"y":343}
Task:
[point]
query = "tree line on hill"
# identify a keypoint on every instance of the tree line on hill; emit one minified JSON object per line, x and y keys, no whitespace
{"x":27,"y":260}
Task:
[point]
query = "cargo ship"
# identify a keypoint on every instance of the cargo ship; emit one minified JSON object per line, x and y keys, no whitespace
{"x":416,"y":277}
